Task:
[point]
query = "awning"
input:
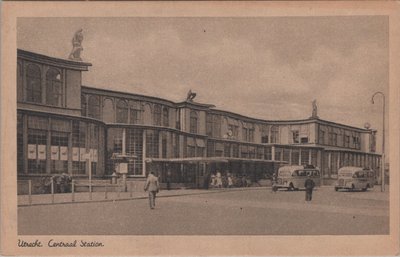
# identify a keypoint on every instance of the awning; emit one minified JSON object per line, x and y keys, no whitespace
{"x":209,"y":160}
{"x":188,"y":160}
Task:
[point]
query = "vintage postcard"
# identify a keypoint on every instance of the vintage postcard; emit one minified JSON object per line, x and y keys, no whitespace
{"x":200,"y":128}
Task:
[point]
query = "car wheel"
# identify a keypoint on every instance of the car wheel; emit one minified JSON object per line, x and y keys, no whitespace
{"x":336,"y":189}
{"x":353,"y":187}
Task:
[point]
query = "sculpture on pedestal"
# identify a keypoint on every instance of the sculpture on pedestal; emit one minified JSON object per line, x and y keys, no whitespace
{"x":314,"y":109}
{"x":190,"y":96}
{"x":75,"y":54}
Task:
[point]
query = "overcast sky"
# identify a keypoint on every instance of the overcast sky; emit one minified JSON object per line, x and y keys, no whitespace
{"x":269,"y":68}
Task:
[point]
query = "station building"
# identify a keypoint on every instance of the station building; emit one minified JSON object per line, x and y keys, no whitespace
{"x":66,"y":127}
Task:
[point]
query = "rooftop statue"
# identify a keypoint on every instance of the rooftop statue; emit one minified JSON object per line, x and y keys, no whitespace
{"x":190,"y":96}
{"x":314,"y":109}
{"x":75,"y":54}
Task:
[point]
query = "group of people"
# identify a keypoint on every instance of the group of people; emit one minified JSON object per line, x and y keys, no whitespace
{"x":227,"y":180}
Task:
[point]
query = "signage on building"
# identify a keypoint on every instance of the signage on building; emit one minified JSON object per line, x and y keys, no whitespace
{"x":42,"y":152}
{"x":64,"y":153}
{"x":75,"y":154}
{"x":31,"y":152}
{"x":54,"y":152}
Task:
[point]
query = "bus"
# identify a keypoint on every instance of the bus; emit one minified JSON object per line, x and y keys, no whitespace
{"x":293,"y":177}
{"x":355,"y":178}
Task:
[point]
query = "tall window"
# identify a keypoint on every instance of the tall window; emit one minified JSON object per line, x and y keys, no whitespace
{"x":53,"y":87}
{"x":209,"y":125}
{"x":157,"y":115}
{"x":79,"y":132}
{"x":122,"y":112}
{"x":20,"y":144}
{"x":322,"y":137}
{"x":193,"y":122}
{"x":165,"y":117}
{"x":33,"y":84}
{"x":20,"y":92}
{"x":59,"y":152}
{"x":83,"y":105}
{"x":213,"y":125}
{"x":37,"y":144}
{"x":251,"y":134}
{"x":152,"y":143}
{"x":296,"y":136}
{"x":274,"y":134}
{"x":245,"y":134}
{"x":135,"y":114}
{"x":94,"y":107}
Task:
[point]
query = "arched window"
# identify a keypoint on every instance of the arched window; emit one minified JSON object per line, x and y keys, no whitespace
{"x":157,"y":115}
{"x":20,"y":92}
{"x":53,"y":87}
{"x":135,"y":113}
{"x":274,"y":134}
{"x":122,"y":112}
{"x":83,"y":105}
{"x":193,"y":122}
{"x":165,"y":117}
{"x":33,"y":84}
{"x":94,"y":107}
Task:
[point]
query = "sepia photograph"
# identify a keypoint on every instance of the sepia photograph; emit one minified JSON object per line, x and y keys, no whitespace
{"x":214,"y":126}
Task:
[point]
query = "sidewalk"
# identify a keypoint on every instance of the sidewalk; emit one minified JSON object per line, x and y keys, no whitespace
{"x":48,"y":199}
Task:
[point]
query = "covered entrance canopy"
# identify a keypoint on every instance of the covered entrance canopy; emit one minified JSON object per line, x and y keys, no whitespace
{"x":210,"y":160}
{"x":197,"y":171}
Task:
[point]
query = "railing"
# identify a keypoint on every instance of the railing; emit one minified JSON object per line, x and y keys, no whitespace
{"x":78,"y":192}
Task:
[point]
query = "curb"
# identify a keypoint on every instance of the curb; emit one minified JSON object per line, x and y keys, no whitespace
{"x":212,"y":191}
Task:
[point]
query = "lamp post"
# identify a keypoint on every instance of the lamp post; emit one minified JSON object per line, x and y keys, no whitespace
{"x":383,"y":140}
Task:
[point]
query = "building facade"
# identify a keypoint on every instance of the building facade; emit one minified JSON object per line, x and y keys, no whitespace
{"x":65,"y":127}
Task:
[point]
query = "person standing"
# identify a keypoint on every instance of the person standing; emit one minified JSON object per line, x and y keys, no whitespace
{"x":207,"y":180}
{"x":230,"y":181}
{"x":309,"y":185}
{"x":219,"y":179}
{"x":153,"y":187}
{"x":169,"y":180}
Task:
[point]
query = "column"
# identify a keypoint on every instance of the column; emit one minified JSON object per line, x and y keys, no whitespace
{"x":25,"y":142}
{"x":48,"y":146}
{"x":329,"y":164}
{"x":273,"y":153}
{"x":144,"y":153}
{"x":70,"y":150}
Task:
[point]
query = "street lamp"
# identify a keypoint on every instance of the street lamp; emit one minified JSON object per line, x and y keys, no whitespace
{"x":383,"y":140}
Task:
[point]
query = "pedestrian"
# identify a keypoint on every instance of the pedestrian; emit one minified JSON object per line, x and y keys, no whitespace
{"x":274,"y":182}
{"x":230,"y":181}
{"x":169,"y":180}
{"x":207,"y":181}
{"x":153,"y":187}
{"x":309,"y":185}
{"x":219,"y":179}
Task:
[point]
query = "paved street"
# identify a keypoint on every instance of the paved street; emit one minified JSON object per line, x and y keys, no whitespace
{"x":254,"y":211}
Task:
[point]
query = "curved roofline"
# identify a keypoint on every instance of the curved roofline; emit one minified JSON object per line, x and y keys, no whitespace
{"x":212,"y":110}
{"x":125,"y":93}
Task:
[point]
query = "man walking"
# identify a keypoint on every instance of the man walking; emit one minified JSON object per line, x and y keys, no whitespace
{"x":309,"y":185}
{"x":153,"y":187}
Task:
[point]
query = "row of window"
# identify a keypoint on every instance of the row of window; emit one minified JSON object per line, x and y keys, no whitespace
{"x":35,"y":87}
{"x":43,"y":145}
{"x":124,"y":112}
{"x":344,"y":140}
